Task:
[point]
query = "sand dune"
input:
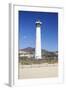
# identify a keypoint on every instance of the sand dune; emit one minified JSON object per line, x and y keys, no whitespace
{"x":38,"y":71}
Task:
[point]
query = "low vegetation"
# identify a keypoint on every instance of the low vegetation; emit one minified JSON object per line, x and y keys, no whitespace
{"x":29,"y":61}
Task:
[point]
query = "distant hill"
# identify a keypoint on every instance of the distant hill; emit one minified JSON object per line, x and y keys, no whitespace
{"x":44,"y":52}
{"x":28,"y":49}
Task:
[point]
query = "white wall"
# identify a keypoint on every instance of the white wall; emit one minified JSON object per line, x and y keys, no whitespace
{"x":4,"y":43}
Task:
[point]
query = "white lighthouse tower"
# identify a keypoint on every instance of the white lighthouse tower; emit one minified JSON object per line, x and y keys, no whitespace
{"x":38,"y":40}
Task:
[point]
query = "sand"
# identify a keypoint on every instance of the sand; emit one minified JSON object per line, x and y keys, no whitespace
{"x":38,"y":71}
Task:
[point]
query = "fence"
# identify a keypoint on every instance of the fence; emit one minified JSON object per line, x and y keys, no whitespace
{"x":38,"y":65}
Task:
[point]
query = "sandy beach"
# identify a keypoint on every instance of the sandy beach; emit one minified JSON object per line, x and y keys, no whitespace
{"x":38,"y":71}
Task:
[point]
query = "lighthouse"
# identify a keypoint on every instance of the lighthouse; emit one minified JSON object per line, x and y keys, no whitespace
{"x":38,"y":40}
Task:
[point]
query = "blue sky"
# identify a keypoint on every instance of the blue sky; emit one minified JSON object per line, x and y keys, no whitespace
{"x":49,"y":29}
